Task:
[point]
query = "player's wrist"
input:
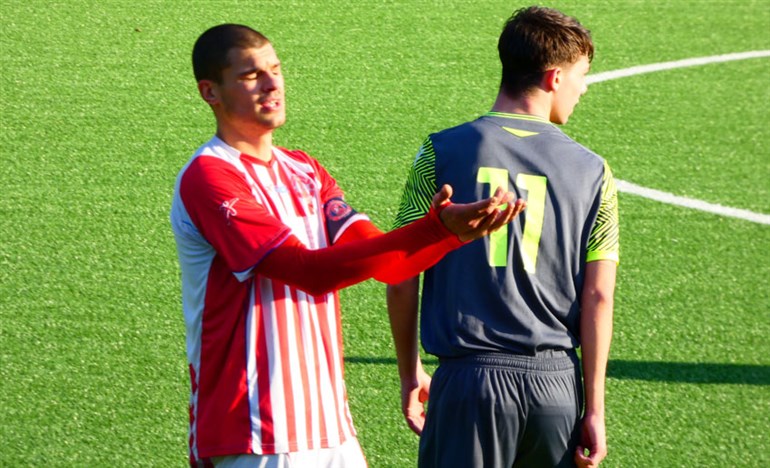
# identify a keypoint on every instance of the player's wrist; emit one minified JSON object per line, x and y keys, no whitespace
{"x":594,"y":412}
{"x":446,"y":234}
{"x":454,"y":239}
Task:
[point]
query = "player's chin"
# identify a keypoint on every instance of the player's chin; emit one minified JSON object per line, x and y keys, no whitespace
{"x":274,"y":120}
{"x":559,"y":118}
{"x":280,"y":121}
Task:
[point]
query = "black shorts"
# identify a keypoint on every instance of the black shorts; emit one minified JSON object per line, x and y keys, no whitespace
{"x":501,"y":410}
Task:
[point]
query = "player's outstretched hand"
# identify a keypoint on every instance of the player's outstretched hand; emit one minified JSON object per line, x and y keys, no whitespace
{"x":469,"y":221}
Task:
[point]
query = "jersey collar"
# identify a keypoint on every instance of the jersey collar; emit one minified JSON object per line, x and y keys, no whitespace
{"x":506,"y":115}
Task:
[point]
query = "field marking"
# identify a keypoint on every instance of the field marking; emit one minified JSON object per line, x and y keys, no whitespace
{"x":656,"y":67}
{"x":666,"y":197}
{"x":672,"y":199}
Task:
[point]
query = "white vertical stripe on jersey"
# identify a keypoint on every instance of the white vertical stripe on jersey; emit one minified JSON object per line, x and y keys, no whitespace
{"x":326,"y":354}
{"x":331,"y":314}
{"x":251,"y":360}
{"x":297,"y":391}
{"x":309,"y":334}
{"x":277,"y":390}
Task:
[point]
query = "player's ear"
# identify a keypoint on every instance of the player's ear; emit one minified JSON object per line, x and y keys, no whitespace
{"x":552,"y":79}
{"x":208,"y":91}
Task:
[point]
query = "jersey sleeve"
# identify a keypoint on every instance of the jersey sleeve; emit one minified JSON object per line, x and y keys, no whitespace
{"x":428,"y":256}
{"x":420,"y":186}
{"x":220,"y":204}
{"x":340,"y":218}
{"x":391,"y":257}
{"x":604,"y":241}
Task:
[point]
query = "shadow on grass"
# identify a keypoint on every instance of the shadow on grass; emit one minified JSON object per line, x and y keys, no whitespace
{"x":683,"y":372}
{"x":686,"y":372}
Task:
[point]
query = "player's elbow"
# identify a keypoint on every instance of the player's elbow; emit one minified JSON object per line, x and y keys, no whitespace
{"x":403,"y":288}
{"x":599,"y":298}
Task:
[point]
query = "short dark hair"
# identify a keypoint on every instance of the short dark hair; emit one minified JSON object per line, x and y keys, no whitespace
{"x":209,"y":55}
{"x":536,"y":39}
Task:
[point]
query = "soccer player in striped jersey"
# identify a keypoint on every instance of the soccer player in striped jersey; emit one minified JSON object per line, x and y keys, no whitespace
{"x":265,"y":239}
{"x":506,"y":314}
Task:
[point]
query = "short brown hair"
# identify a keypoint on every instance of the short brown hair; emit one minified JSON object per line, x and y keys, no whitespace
{"x":209,"y":55}
{"x":535,"y":39}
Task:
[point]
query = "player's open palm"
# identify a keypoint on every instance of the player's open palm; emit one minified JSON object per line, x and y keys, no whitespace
{"x":470,"y":221}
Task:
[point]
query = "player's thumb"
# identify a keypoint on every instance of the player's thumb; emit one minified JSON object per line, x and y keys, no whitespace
{"x":442,"y":197}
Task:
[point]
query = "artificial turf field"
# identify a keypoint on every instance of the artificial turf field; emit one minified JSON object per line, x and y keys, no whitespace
{"x":100,"y":110}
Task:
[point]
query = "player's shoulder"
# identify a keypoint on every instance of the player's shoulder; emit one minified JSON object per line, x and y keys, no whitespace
{"x":454,"y":131}
{"x":450,"y":141}
{"x":217,"y":148}
{"x":213,"y":160}
{"x":213,"y":153}
{"x":566,"y":145}
{"x":583,"y":151}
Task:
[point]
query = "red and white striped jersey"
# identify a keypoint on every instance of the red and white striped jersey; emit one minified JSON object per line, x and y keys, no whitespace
{"x":265,"y":358}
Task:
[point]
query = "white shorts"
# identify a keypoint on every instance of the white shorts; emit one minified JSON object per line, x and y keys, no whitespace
{"x":347,"y":455}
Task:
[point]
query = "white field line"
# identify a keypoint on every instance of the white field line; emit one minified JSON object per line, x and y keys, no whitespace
{"x":656,"y":67}
{"x":666,"y":197}
{"x":672,"y":199}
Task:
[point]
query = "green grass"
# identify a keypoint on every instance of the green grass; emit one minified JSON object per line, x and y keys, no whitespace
{"x":99,"y":111}
{"x":682,"y":131}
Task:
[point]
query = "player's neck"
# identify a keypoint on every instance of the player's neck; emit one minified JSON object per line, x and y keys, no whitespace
{"x":259,"y":146}
{"x":531,"y":104}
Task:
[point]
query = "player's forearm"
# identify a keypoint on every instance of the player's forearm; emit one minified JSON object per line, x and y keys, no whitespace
{"x":597,"y":304}
{"x":396,"y":255}
{"x":596,"y":332}
{"x":365,"y":229}
{"x":402,"y":300}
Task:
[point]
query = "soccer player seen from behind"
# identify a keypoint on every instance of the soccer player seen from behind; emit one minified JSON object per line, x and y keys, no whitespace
{"x":265,"y":239}
{"x":505,"y":314}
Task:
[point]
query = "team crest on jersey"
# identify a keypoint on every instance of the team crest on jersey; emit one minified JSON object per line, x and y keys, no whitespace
{"x":228,"y":208}
{"x":336,"y":209}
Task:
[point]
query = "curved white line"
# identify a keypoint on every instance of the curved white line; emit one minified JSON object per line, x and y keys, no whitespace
{"x":672,"y":199}
{"x":656,"y":67}
{"x":666,"y":197}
